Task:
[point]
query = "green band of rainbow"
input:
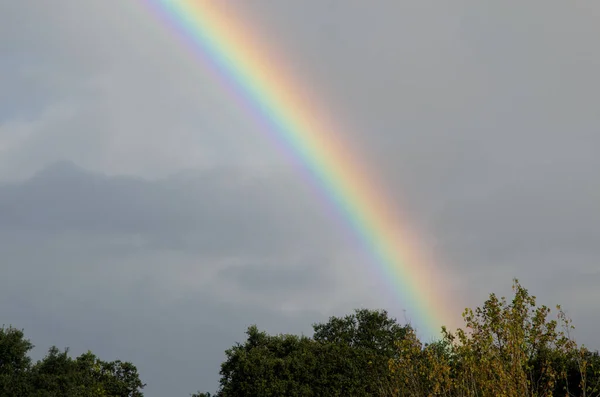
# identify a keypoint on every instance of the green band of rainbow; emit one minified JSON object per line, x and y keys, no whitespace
{"x":301,"y":127}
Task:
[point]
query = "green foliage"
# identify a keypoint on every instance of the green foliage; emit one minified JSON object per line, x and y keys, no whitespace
{"x":358,"y":348}
{"x":346,"y":356}
{"x":267,"y":366}
{"x":372,"y":330}
{"x":57,"y":374}
{"x":119,"y":378}
{"x":14,"y":362}
{"x":508,"y":349}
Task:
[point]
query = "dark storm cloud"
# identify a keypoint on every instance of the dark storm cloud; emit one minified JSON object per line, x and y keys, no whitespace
{"x":208,"y":212}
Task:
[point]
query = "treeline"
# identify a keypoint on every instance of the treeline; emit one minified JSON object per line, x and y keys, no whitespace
{"x":58,"y":374}
{"x":507,"y":348}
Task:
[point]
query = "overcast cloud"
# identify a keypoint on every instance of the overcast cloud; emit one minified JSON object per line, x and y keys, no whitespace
{"x":144,"y":216}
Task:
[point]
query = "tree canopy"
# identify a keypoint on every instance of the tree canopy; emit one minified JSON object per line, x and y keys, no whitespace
{"x":58,"y":374}
{"x":511,"y":348}
{"x":346,"y":356}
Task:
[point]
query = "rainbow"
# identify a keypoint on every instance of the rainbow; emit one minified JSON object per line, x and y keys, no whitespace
{"x":298,"y":124}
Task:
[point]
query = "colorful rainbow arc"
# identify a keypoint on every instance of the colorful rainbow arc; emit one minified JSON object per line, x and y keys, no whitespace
{"x":244,"y":66}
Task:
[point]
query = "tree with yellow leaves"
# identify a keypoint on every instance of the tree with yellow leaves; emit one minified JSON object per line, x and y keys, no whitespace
{"x":506,"y":349}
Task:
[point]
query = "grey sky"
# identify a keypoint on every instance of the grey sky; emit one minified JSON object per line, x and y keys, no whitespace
{"x":142,"y":215}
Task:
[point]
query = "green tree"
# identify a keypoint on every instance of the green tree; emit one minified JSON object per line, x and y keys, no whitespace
{"x":14,"y":362}
{"x":267,"y":365}
{"x":58,"y":374}
{"x":358,"y":347}
{"x":508,"y":349}
{"x":372,"y":330}
{"x":120,"y":379}
{"x":346,"y":356}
